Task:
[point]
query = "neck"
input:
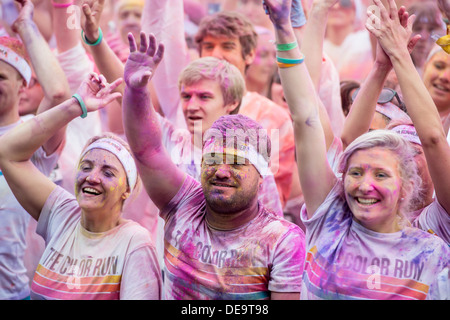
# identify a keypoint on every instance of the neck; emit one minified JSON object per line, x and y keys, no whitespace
{"x":100,"y":221}
{"x":231,"y":220}
{"x":255,"y":86}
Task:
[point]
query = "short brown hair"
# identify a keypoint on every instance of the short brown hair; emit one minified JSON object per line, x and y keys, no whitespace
{"x":228,"y":24}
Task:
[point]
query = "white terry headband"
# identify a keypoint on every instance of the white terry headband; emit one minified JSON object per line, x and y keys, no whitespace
{"x":121,"y":153}
{"x":408,"y":132}
{"x":245,"y":151}
{"x":19,"y":63}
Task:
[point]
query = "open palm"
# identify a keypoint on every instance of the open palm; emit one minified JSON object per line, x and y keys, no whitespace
{"x":142,"y":63}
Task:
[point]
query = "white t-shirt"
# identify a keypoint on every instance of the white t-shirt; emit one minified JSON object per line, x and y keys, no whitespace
{"x":202,"y":263}
{"x":120,"y":263}
{"x":14,"y":282}
{"x":347,"y":261}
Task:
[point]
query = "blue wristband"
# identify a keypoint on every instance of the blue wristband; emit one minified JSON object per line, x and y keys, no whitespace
{"x":290,"y":61}
{"x":82,"y":105}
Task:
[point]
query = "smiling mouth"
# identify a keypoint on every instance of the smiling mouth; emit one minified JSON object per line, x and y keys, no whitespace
{"x":91,"y":191}
{"x":442,"y":88}
{"x":366,"y":202}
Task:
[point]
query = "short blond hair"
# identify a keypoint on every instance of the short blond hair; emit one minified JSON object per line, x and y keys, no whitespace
{"x":232,"y":84}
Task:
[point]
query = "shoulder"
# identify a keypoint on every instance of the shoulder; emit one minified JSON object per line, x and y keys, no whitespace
{"x":136,"y":234}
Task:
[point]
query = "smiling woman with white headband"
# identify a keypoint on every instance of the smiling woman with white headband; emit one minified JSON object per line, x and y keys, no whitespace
{"x":91,"y":251}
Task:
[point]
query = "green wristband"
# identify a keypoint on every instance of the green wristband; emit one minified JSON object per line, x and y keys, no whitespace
{"x":82,"y":105}
{"x":286,"y":46}
{"x":100,"y":37}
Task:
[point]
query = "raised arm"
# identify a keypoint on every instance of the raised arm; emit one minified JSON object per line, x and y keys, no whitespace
{"x":316,"y":175}
{"x":418,"y":101}
{"x":29,"y":185}
{"x":363,"y":108}
{"x":105,"y":59}
{"x":48,"y":71}
{"x":164,"y":19}
{"x":161,"y":177}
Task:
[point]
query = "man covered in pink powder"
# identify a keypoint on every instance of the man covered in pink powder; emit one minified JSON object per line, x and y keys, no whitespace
{"x":220,"y":242}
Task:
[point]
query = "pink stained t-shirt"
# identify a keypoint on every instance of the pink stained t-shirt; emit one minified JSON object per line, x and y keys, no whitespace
{"x":264,"y":255}
{"x":120,"y":263}
{"x":347,"y":261}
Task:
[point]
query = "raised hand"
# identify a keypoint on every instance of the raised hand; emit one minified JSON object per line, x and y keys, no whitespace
{"x":381,"y":57}
{"x":393,"y":31}
{"x":96,"y":92}
{"x":25,"y":13}
{"x":92,"y":10}
{"x":141,"y":65}
{"x":279,"y":11}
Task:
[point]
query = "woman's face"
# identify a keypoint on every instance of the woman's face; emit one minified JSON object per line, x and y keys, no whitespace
{"x":101,"y":182}
{"x":373,"y":188}
{"x":436,"y":78}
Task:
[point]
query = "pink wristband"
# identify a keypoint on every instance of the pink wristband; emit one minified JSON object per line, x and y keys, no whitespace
{"x":61,"y":5}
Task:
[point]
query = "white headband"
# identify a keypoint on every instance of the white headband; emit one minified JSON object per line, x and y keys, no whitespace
{"x":19,"y":63}
{"x":408,"y":132}
{"x":244,"y":151}
{"x":121,"y":153}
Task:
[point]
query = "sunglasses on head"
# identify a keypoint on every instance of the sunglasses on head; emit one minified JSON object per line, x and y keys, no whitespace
{"x":386,"y":95}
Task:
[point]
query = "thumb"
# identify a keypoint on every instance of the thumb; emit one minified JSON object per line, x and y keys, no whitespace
{"x":413,"y":41}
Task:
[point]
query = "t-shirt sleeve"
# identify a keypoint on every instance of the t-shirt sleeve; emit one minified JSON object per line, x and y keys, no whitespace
{"x":60,"y":212}
{"x":434,"y":219}
{"x":288,"y":262}
{"x":189,"y":193}
{"x":43,"y":162}
{"x":141,"y":278}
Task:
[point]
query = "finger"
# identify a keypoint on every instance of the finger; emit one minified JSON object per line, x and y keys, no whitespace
{"x":87,"y":12}
{"x":102,"y":81}
{"x":144,"y":44}
{"x":383,"y":12}
{"x":413,"y":41}
{"x":152,"y":45}
{"x":115,"y":84}
{"x":132,"y":42}
{"x":93,"y":76}
{"x":403,"y":17}
{"x":110,"y":98}
{"x":410,"y":22}
{"x":159,"y":54}
{"x":393,"y":9}
{"x":373,"y":23}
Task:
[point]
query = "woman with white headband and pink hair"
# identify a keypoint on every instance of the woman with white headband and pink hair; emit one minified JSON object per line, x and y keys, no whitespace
{"x":91,"y":251}
{"x":359,"y":244}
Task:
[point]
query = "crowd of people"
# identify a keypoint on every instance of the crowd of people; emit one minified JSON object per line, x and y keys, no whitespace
{"x":225,"y":150}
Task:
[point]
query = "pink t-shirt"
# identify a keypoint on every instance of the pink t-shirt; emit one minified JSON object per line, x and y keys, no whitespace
{"x":347,"y":261}
{"x":120,"y":263}
{"x":264,"y":255}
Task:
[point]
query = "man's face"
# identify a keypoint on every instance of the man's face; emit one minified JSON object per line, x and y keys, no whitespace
{"x":129,"y":20}
{"x":203,"y":101}
{"x":228,"y":49}
{"x":11,"y":85}
{"x":230,"y":185}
